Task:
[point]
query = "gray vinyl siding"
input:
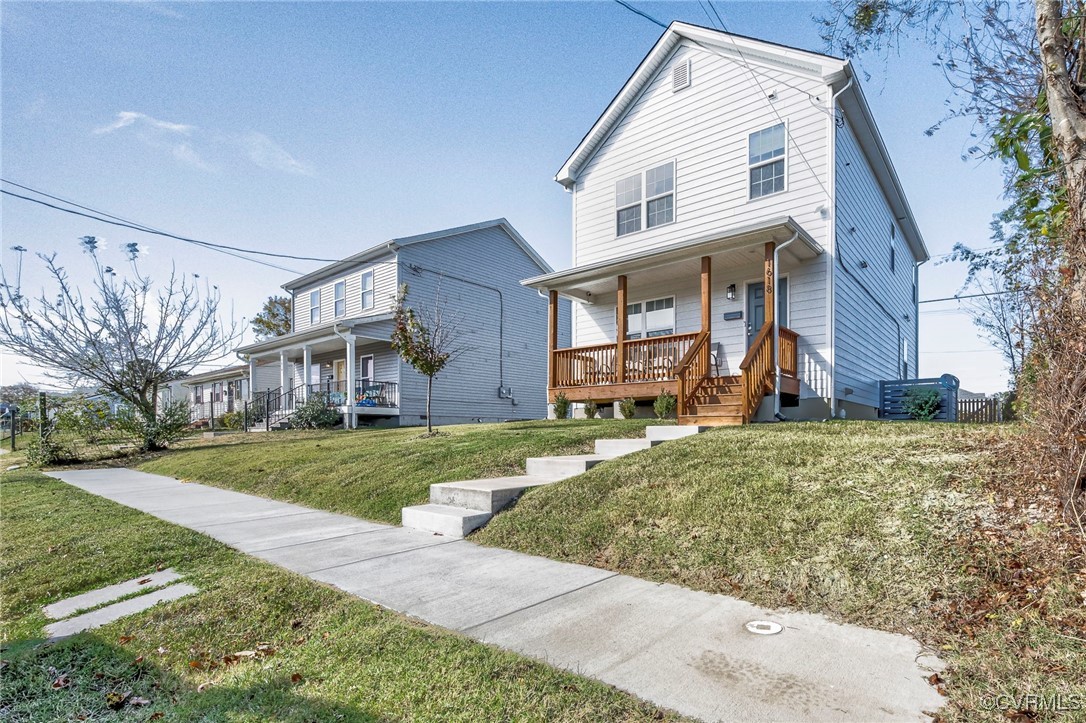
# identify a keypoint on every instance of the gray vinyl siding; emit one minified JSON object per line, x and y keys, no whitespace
{"x":704,"y":129}
{"x":869,"y":338}
{"x":468,"y":388}
{"x":384,"y":285}
{"x":267,"y":377}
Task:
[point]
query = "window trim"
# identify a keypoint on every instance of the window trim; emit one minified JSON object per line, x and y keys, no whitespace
{"x":643,"y":204}
{"x":337,"y":299}
{"x":752,"y":166}
{"x":362,"y":290}
{"x":315,"y":307}
{"x":644,"y":330}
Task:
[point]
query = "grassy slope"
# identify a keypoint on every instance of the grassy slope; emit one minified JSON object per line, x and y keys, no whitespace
{"x":888,"y":526}
{"x":374,"y":473}
{"x":355,"y":661}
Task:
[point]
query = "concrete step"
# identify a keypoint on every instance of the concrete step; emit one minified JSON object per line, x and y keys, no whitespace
{"x":662,"y":433}
{"x":485,"y":495}
{"x":562,"y":467}
{"x":708,"y":420}
{"x":612,"y":448}
{"x":443,"y":519}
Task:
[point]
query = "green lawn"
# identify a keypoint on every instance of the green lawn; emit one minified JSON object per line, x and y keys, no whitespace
{"x":906,"y":527}
{"x":374,"y":473}
{"x":335,"y":658}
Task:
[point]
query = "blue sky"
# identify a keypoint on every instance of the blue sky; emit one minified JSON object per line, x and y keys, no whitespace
{"x":323,"y":129}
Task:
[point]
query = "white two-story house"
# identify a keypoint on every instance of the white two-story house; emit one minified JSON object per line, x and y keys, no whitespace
{"x":740,"y":239}
{"x":339,"y":348}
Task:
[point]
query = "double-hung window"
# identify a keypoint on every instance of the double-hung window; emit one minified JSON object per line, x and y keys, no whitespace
{"x":645,"y":200}
{"x":367,"y":290}
{"x":650,"y":318}
{"x":765,"y":150}
{"x":315,"y":306}
{"x":341,"y":298}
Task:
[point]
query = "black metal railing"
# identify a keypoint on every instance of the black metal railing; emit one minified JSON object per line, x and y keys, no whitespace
{"x":363,"y":393}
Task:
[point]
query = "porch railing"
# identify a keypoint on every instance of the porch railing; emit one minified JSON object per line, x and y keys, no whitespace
{"x":758,"y":372}
{"x":692,"y":371}
{"x":363,"y":393}
{"x":643,"y":360}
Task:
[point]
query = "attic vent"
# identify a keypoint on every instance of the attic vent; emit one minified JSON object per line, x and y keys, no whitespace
{"x":680,"y":76}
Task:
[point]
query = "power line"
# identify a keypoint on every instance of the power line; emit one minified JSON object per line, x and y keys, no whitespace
{"x":104,"y":217}
{"x":645,"y":15}
{"x":966,"y":296}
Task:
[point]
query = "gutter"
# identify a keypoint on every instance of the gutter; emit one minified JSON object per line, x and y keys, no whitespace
{"x":831,"y":235}
{"x":777,"y":326}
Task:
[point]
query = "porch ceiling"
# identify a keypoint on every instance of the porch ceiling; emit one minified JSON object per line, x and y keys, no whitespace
{"x":737,"y":248}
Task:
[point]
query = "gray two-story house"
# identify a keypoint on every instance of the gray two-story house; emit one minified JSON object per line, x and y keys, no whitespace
{"x":339,"y":348}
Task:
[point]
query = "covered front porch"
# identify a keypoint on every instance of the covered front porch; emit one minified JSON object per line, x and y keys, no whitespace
{"x":349,"y":366}
{"x":664,"y":323}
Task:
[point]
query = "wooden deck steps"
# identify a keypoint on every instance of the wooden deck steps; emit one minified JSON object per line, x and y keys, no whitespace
{"x":717,"y":402}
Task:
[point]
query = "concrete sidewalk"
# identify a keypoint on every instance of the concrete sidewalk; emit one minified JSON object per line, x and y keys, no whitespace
{"x":678,"y":648}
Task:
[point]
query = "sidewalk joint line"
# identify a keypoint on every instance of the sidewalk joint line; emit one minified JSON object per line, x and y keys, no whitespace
{"x":386,"y":554}
{"x":310,"y":542}
{"x":547,"y":600}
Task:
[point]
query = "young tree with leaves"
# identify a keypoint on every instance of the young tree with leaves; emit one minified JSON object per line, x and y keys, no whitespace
{"x":123,"y":338}
{"x":274,"y":318}
{"x":427,"y":338}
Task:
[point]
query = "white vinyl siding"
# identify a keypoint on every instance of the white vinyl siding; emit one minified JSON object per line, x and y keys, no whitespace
{"x":875,"y":306}
{"x":704,"y":130}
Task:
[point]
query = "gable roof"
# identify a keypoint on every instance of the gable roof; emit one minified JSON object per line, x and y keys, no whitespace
{"x":835,"y":72}
{"x":390,"y":247}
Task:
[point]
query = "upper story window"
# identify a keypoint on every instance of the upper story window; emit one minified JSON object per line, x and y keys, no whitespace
{"x":656,"y":206}
{"x":315,"y":307}
{"x":765,"y":149}
{"x":650,"y":318}
{"x":341,"y":298}
{"x":367,"y":290}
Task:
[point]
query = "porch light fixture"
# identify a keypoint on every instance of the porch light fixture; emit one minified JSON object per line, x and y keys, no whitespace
{"x":731,"y":292}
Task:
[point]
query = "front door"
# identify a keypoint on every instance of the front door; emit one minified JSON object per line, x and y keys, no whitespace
{"x":339,"y":371}
{"x":756,"y":307}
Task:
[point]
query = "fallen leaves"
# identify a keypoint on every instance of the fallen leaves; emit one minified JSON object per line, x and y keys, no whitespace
{"x":144,"y":581}
{"x":125,"y":639}
{"x":295,"y":677}
{"x":62,"y":681}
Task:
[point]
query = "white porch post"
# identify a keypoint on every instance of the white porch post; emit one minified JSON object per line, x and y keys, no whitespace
{"x":352,"y":360}
{"x":252,"y":377}
{"x":284,"y":376}
{"x":307,"y":366}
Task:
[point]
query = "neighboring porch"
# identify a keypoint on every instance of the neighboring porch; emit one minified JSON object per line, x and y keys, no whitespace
{"x":656,"y":310}
{"x":351,"y":369}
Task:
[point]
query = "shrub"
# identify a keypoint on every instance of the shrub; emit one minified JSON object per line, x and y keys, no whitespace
{"x":231,"y":420}
{"x":170,"y":425}
{"x":922,"y":403}
{"x":561,"y":406}
{"x":628,"y":407}
{"x":315,"y":415}
{"x":665,"y":404}
{"x":591,"y":409}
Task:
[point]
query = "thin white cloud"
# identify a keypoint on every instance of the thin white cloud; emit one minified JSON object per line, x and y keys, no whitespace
{"x":127,"y":118}
{"x":200,"y":145}
{"x":266,"y":153}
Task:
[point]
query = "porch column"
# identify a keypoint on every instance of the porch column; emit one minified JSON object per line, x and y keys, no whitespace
{"x":552,"y":338}
{"x":620,"y":334}
{"x":252,"y":377}
{"x":706,"y":294}
{"x":307,"y":364}
{"x":770,"y":290}
{"x":352,"y":361}
{"x":284,"y":375}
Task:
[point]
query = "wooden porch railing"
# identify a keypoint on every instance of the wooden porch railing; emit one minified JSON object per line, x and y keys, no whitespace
{"x":758,"y":371}
{"x":645,"y":360}
{"x":789,"y":356}
{"x":692,"y":371}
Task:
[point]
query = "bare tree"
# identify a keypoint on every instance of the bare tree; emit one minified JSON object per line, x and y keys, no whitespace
{"x":123,"y":338}
{"x":427,"y":338}
{"x":1004,"y":317}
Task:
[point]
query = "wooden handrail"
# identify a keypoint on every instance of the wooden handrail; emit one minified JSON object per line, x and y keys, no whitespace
{"x":692,"y":371}
{"x":688,"y":358}
{"x":756,"y":345}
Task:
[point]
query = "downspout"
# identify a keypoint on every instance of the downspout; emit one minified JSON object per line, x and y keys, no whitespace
{"x":831,"y":233}
{"x":777,"y":325}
